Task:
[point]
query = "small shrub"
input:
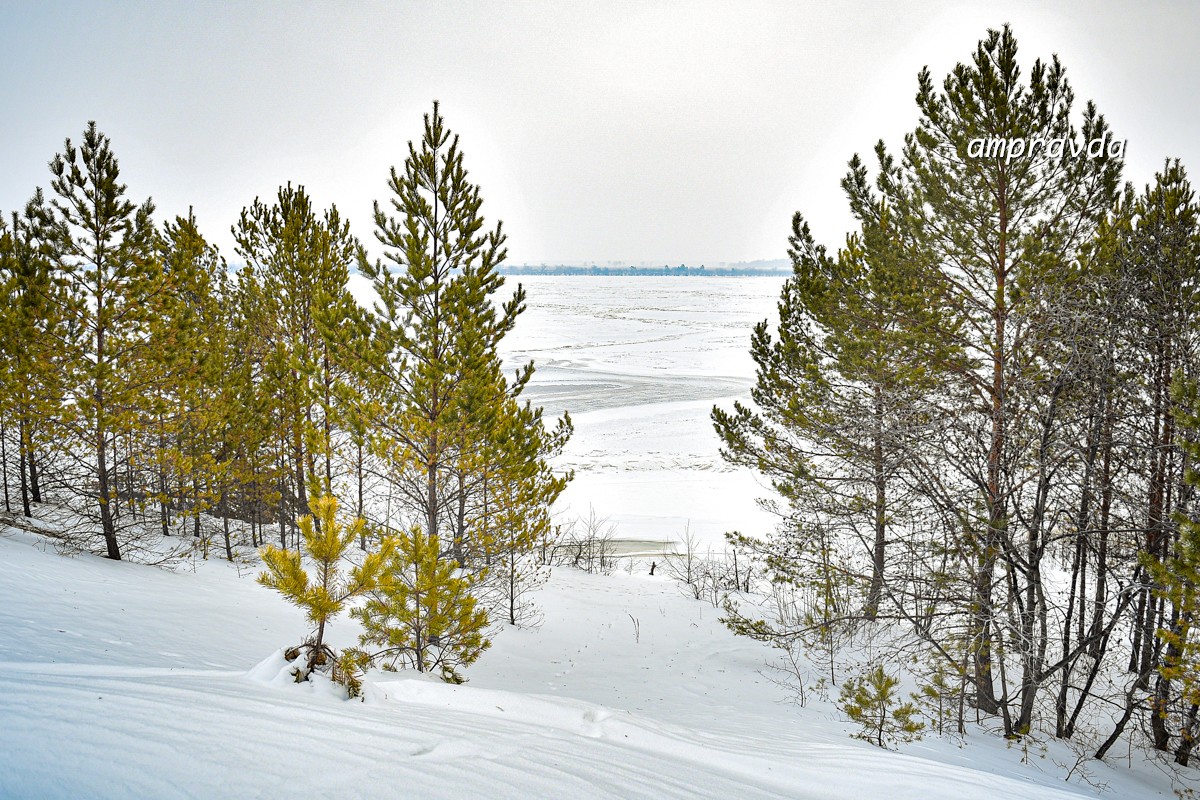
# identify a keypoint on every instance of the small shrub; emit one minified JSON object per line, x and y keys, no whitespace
{"x":871,"y":701}
{"x":321,"y":588}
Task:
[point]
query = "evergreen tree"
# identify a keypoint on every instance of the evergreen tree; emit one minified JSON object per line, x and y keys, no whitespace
{"x":1159,"y":253}
{"x":870,"y":701}
{"x":1176,"y":580}
{"x":106,"y":257}
{"x":839,"y":400}
{"x":1002,"y":228}
{"x":432,"y":329}
{"x":469,"y":461}
{"x":946,"y":383}
{"x":252,"y":407}
{"x":423,"y":613}
{"x":511,"y":511}
{"x":10,"y":344}
{"x":189,"y":428}
{"x":34,"y":367}
{"x":303,"y":262}
{"x":323,"y":594}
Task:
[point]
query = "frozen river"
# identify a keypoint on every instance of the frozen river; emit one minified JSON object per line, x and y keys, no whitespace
{"x":639,"y":363}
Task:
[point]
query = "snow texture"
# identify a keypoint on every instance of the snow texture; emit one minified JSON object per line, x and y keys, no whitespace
{"x":122,"y":680}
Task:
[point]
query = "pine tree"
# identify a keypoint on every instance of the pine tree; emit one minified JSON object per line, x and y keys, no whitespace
{"x":252,"y":406}
{"x":106,"y":256}
{"x":423,"y":613}
{"x":429,"y":334}
{"x":928,"y":381}
{"x":511,"y":510}
{"x":303,"y":261}
{"x":323,"y":594}
{"x":838,"y":402}
{"x":188,"y":428}
{"x":33,"y":352}
{"x":1176,"y":580}
{"x":870,"y":701}
{"x":8,"y":349}
{"x":470,"y":462}
{"x":1001,"y":228}
{"x":1160,"y":253}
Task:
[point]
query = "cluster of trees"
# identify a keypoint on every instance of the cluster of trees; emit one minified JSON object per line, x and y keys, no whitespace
{"x":146,"y":385}
{"x":980,"y":417}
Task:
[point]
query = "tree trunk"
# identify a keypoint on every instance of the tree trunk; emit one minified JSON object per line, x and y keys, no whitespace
{"x":298,"y":456}
{"x":1187,"y":736}
{"x":106,"y":519}
{"x":325,"y":420}
{"x":225,"y":522}
{"x":1060,"y":701}
{"x":997,"y":523}
{"x":196,"y":508}
{"x":4,"y":463}
{"x":362,"y":542}
{"x":282,"y":509}
{"x":22,"y":463}
{"x":879,"y":552}
{"x":431,"y":497}
{"x":1130,"y":706}
{"x":253,"y":505}
{"x":1106,"y":495}
{"x":164,"y":514}
{"x":35,"y":483}
{"x":460,"y":524}
{"x":512,"y":586}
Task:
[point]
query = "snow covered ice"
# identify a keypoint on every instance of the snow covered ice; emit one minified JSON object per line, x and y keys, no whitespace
{"x":639,"y":363}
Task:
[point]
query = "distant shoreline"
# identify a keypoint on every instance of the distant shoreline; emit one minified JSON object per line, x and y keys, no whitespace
{"x":645,"y":272}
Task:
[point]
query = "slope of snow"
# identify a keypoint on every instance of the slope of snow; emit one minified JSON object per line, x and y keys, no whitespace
{"x":121,"y":680}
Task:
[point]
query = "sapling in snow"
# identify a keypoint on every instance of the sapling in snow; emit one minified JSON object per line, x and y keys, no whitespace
{"x":421,"y":612}
{"x":323,"y":594}
{"x":871,"y":701}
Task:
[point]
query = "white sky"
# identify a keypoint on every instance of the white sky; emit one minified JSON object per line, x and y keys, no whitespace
{"x":658,"y":132}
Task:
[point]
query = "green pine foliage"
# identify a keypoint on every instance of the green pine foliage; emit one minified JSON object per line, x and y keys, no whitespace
{"x":107,"y":260}
{"x":422,"y":613}
{"x":322,"y":589}
{"x":517,"y":496}
{"x":8,"y":352}
{"x":1176,"y":580}
{"x":433,"y":331}
{"x":839,"y":399}
{"x":170,"y":387}
{"x":33,"y":351}
{"x":468,"y":459}
{"x":1004,"y":233}
{"x":187,"y":429}
{"x":302,"y":260}
{"x":941,"y":696}
{"x":938,"y":397}
{"x":871,"y":701}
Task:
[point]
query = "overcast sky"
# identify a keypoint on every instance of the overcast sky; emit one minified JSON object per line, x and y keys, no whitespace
{"x":653,"y":132}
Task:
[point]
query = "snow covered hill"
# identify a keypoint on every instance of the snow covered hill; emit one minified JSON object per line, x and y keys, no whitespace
{"x":123,"y":680}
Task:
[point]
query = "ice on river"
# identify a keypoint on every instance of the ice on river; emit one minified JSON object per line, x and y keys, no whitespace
{"x":639,"y":364}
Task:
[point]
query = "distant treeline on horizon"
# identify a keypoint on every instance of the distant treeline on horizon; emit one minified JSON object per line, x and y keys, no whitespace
{"x":680,"y":271}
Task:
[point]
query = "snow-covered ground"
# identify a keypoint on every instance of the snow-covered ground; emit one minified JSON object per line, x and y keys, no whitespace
{"x":639,"y":364}
{"x":123,"y":680}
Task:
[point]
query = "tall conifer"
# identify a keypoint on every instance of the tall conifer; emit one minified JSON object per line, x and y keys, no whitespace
{"x":106,"y":256}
